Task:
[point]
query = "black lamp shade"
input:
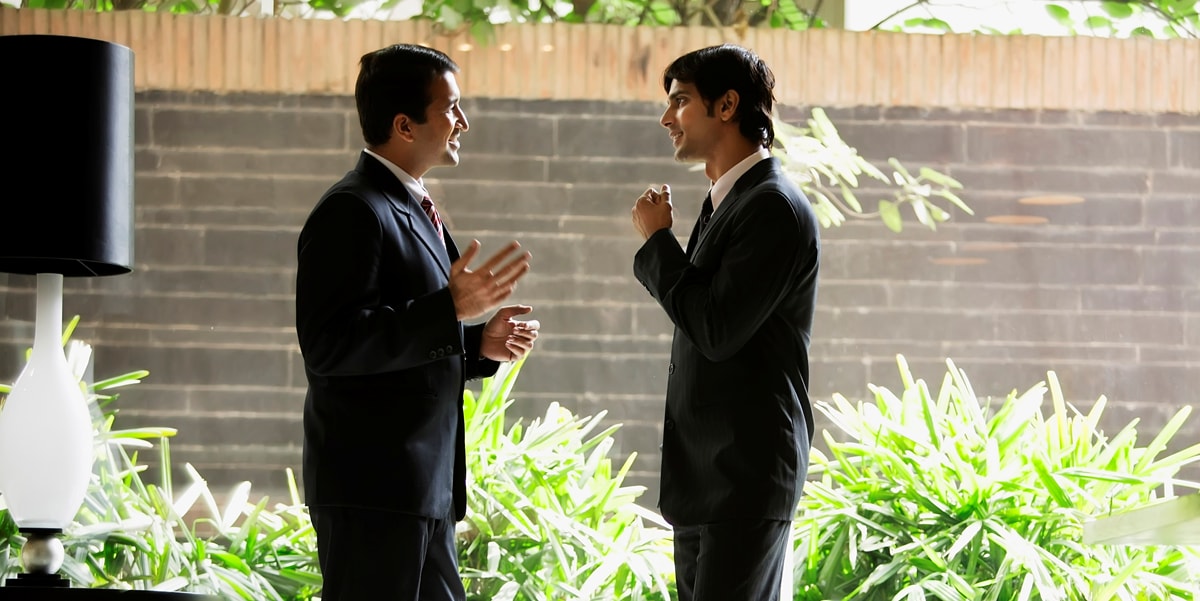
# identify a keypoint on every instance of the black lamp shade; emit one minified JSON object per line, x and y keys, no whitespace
{"x":66,"y":172}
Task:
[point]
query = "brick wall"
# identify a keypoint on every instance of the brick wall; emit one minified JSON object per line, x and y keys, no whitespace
{"x":1105,"y":291}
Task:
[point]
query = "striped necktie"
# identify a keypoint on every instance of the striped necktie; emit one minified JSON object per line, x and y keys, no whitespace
{"x":427,"y":204}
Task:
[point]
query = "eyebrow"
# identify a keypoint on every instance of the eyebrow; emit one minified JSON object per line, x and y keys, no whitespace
{"x":673,"y":95}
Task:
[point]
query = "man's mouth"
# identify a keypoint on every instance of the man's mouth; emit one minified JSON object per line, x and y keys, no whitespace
{"x":675,"y":137}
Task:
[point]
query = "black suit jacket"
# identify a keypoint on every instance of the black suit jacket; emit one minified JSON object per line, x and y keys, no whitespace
{"x":385,"y":355}
{"x":738,"y":421}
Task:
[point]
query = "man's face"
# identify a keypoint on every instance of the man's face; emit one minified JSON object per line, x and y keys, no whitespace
{"x":438,"y":137}
{"x":692,"y":129}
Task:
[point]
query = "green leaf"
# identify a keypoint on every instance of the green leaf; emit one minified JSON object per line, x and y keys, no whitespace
{"x":1099,"y":23}
{"x":890,"y":214}
{"x":1060,"y":14}
{"x":1118,"y":10}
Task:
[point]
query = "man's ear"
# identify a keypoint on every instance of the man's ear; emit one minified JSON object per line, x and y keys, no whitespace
{"x":727,"y":105}
{"x":402,"y":127}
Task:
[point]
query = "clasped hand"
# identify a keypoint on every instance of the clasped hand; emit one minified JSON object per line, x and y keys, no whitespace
{"x":653,"y":211}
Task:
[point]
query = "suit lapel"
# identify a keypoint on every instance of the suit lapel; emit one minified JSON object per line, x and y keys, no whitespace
{"x":408,"y":208}
{"x":747,"y":181}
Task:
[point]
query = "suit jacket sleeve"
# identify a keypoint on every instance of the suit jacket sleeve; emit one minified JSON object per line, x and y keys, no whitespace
{"x":342,"y":325}
{"x":720,"y":307}
{"x":477,"y":366}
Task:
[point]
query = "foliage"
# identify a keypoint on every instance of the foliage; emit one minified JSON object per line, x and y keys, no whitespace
{"x":1108,"y":18}
{"x":548,"y":519}
{"x":947,"y":497}
{"x":828,"y":171}
{"x":130,"y":534}
{"x":1120,"y":18}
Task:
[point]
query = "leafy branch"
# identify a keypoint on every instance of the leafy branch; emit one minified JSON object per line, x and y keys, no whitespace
{"x":828,"y":171}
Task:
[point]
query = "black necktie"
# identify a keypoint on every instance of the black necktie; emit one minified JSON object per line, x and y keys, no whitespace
{"x":706,"y":211}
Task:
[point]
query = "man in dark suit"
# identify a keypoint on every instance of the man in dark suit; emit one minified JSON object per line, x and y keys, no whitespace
{"x":738,"y":422}
{"x":381,"y":296}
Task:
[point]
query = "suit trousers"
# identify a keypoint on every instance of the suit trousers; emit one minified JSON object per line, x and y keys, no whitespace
{"x":740,"y":560}
{"x":369,"y":555}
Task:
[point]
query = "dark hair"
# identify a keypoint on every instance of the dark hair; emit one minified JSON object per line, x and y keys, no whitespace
{"x":396,"y":80}
{"x":718,"y":69}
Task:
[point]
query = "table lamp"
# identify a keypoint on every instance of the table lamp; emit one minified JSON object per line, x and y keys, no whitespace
{"x":67,"y":211}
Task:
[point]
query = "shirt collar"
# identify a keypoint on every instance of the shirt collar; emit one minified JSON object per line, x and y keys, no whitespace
{"x":721,"y":187}
{"x":414,"y":186}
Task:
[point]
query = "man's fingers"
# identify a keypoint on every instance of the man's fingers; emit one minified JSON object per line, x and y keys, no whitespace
{"x":512,"y":271}
{"x":466,"y":258}
{"x":666,"y":193}
{"x":496,"y":259}
{"x":515,"y":310}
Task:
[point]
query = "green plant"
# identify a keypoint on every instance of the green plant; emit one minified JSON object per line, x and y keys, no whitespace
{"x":130,"y":534}
{"x":547,"y":517}
{"x":947,"y":497}
{"x":828,"y":170}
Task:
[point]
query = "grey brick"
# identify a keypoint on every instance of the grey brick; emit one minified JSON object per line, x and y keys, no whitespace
{"x":1184,"y":183}
{"x":600,"y":343}
{"x":247,"y":400}
{"x":612,"y":199}
{"x":834,"y":293}
{"x":1171,"y":266}
{"x":294,"y":193}
{"x":321,"y":164}
{"x":550,"y":108}
{"x":941,"y":143}
{"x":155,"y":191}
{"x":510,"y":136}
{"x":198,"y":366}
{"x":1139,"y":298}
{"x":1178,"y":120}
{"x":1187,"y":237}
{"x":1180,"y":354}
{"x":513,"y":198}
{"x":250,"y":248}
{"x":1056,"y":265}
{"x":170,"y":245}
{"x":567,"y":374}
{"x":1166,"y":212}
{"x":908,"y":324}
{"x":499,"y":168}
{"x":1118,"y":119}
{"x":636,"y":437}
{"x":1089,"y":328}
{"x":563,"y":319}
{"x":275,"y":129}
{"x":1066,"y":146}
{"x":1051,"y":177}
{"x":608,"y":170}
{"x":225,"y":216}
{"x":984,"y":297}
{"x":1185,"y":149}
{"x":612,"y":137}
{"x":141,"y":126}
{"x":957,"y":115}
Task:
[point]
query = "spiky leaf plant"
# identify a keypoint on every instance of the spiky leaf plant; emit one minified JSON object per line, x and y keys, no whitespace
{"x":955,"y":498}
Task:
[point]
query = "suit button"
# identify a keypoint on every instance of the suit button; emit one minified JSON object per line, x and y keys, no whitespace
{"x":449,"y":350}
{"x":670,"y":369}
{"x":669,"y":424}
{"x":433,"y":354}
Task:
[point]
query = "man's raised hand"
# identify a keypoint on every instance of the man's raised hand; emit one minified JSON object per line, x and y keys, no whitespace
{"x":477,"y":292}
